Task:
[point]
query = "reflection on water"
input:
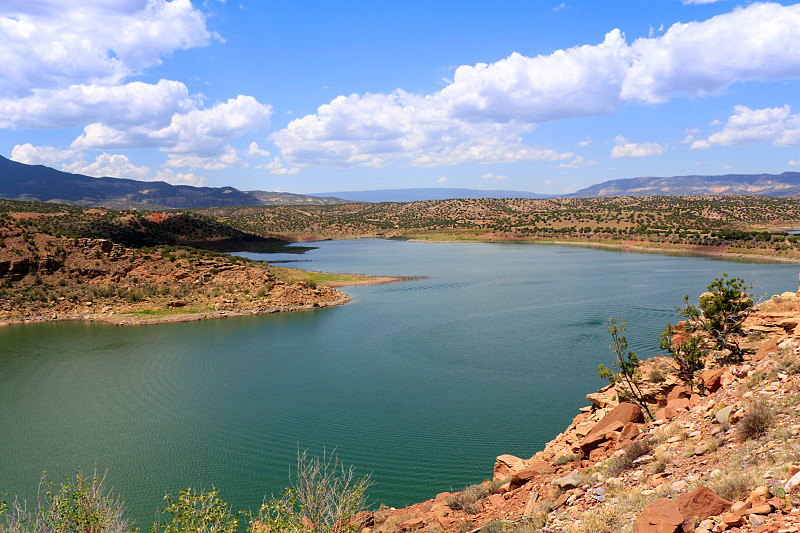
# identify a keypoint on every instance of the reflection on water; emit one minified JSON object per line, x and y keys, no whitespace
{"x":420,"y":382}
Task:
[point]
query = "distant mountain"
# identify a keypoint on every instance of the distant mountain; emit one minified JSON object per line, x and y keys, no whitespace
{"x":19,"y":181}
{"x":416,"y":195}
{"x":786,"y":184}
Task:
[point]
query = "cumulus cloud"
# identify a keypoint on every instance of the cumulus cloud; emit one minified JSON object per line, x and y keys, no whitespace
{"x":481,"y":116}
{"x":198,"y":134}
{"x":110,"y":165}
{"x":584,"y":143}
{"x":103,"y":165}
{"x":776,"y":125}
{"x":48,"y":44}
{"x":179,"y":178}
{"x":578,"y":162}
{"x":794,"y":162}
{"x":276,"y":167}
{"x":254,"y":151}
{"x":377,"y":130}
{"x":623,"y":148}
{"x":441,"y":180}
{"x":492,"y":176}
{"x":133,"y":104}
{"x":42,"y":155}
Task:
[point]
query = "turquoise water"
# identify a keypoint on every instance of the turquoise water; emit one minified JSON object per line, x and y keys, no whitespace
{"x":422,"y":383}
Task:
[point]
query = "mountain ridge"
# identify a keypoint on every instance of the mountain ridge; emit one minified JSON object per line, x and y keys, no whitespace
{"x":19,"y":181}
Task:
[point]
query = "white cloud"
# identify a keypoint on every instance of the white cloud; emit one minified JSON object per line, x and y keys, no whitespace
{"x":776,"y":125}
{"x":134,"y":104}
{"x":180,"y":178}
{"x":377,"y":130}
{"x":700,"y":144}
{"x":110,"y":165}
{"x":584,"y":143}
{"x":794,"y":162}
{"x":492,"y":176}
{"x":254,"y":151}
{"x":623,"y":148}
{"x":276,"y":167}
{"x":41,"y":155}
{"x":221,"y":161}
{"x":193,"y":137}
{"x":578,"y":162}
{"x":105,"y":164}
{"x":757,"y":42}
{"x":49,"y":44}
{"x":481,"y":116}
{"x":441,"y":180}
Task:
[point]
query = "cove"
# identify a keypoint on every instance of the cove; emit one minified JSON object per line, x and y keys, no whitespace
{"x":422,"y":382}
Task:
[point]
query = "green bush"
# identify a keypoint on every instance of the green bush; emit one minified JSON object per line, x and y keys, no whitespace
{"x":197,"y":512}
{"x":84,"y":505}
{"x":323,"y":496}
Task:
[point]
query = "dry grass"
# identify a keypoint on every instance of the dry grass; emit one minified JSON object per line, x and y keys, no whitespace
{"x":757,"y":420}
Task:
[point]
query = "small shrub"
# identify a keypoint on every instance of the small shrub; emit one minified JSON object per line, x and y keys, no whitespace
{"x":733,"y":485}
{"x":82,"y":505}
{"x":323,"y":493}
{"x":656,"y":376}
{"x":619,"y":464}
{"x":194,"y":512}
{"x":468,"y":500}
{"x":564,"y":459}
{"x":756,"y":421}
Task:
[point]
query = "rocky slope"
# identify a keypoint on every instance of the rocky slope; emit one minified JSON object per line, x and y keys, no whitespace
{"x":48,"y":277}
{"x":725,"y":458}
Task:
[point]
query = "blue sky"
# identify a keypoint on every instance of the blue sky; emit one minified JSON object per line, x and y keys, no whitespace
{"x":330,"y":96}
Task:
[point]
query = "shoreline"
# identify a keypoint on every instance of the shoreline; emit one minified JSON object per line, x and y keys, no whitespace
{"x":716,"y":252}
{"x":131,"y":319}
{"x":139,"y":320}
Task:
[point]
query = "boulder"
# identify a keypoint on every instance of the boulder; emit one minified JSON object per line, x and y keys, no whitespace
{"x":701,"y":502}
{"x":711,"y":379}
{"x":679,"y":391}
{"x":528,"y":473}
{"x":723,"y":415}
{"x":506,"y":466}
{"x":769,"y":346}
{"x":615,"y":420}
{"x":661,"y":516}
{"x":679,"y":404}
{"x":570,"y":481}
{"x":605,"y":397}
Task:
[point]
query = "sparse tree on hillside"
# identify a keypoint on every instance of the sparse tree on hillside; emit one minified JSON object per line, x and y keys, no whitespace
{"x":627,"y":363}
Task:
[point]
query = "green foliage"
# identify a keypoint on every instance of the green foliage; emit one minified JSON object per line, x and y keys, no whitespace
{"x":626,"y":362}
{"x":688,"y":354}
{"x":197,"y":512}
{"x":80,"y":506}
{"x":322,"y":498}
{"x":720,"y":313}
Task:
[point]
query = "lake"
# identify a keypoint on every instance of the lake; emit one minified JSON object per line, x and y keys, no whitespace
{"x":422,"y":383}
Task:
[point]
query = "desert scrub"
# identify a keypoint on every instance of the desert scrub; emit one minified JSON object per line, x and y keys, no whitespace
{"x":622,"y":462}
{"x":756,"y":421}
{"x":564,"y":459}
{"x":469,"y":499}
{"x":656,"y":376}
